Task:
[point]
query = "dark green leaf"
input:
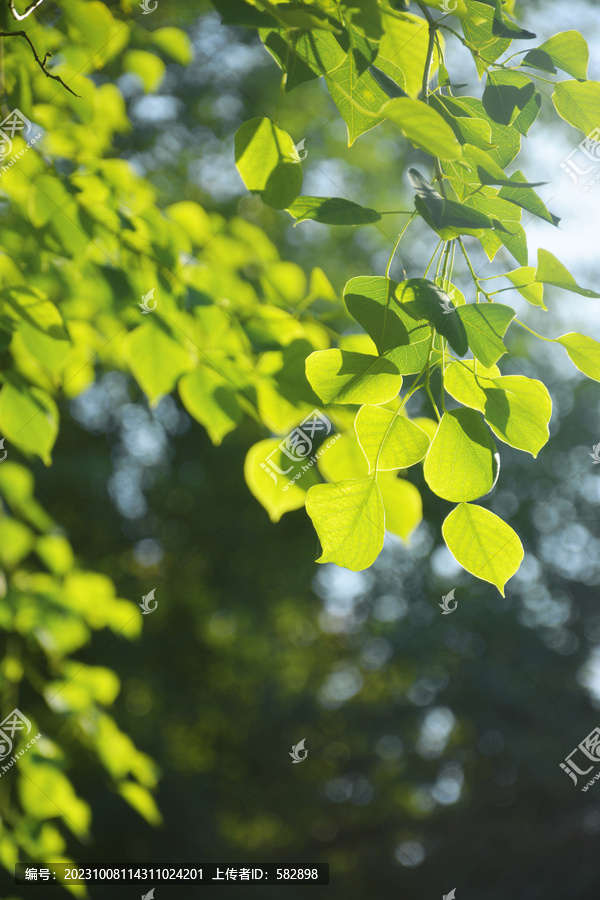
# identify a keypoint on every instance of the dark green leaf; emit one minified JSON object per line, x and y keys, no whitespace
{"x":425,"y":300}
{"x":446,"y":217}
{"x":369,"y":300}
{"x":332,"y":211}
{"x":510,"y":98}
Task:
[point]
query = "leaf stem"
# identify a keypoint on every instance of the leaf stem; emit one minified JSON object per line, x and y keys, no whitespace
{"x":473,"y":275}
{"x":432,"y":259}
{"x":427,"y":385}
{"x":396,"y":245}
{"x":541,"y":337}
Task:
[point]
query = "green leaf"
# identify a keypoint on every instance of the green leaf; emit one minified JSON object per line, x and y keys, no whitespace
{"x":340,"y":376}
{"x":174,"y":42}
{"x":486,"y":324}
{"x":483,"y":544}
{"x":403,"y":339}
{"x":424,"y":299}
{"x":567,"y":50}
{"x":354,"y":91}
{"x":140,"y":799}
{"x":467,"y":381}
{"x":211,"y":400}
{"x":478,"y":29}
{"x":55,"y":552}
{"x":518,"y":411}
{"x":402,"y":504}
{"x":512,"y":234}
{"x":505,"y":140}
{"x":293,"y":53}
{"x":462,"y":463}
{"x":16,"y":542}
{"x":292,"y":17}
{"x":524,"y":281}
{"x":388,"y":77}
{"x":447,"y":217}
{"x":584,"y":353}
{"x":510,"y":98}
{"x":265,"y":462}
{"x":343,"y":460}
{"x":369,"y":301}
{"x":551,"y":271}
{"x":457,"y":8}
{"x":526,"y":198}
{"x":424,"y":127}
{"x":488,"y":170}
{"x":264,"y":155}
{"x":28,"y":418}
{"x":350,"y":521}
{"x":156,"y":360}
{"x":24,"y":304}
{"x":149,"y":68}
{"x":578,"y":103}
{"x":46,"y":793}
{"x":405,"y":41}
{"x":389,"y":440}
{"x":332,"y":211}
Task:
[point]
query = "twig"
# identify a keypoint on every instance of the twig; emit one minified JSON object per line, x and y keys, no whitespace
{"x":41,"y":63}
{"x":27,"y":12}
{"x":430,"y":46}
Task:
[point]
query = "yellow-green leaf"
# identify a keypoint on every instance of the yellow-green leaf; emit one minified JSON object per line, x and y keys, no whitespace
{"x":424,"y":127}
{"x":340,"y":376}
{"x":462,"y":463}
{"x":264,"y":156}
{"x":350,"y":521}
{"x":389,"y":441}
{"x":483,"y":544}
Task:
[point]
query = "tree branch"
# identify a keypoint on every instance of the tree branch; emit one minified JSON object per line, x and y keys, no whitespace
{"x":27,"y":12}
{"x":41,"y":62}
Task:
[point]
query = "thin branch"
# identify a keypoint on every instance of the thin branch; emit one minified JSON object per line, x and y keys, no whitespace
{"x":27,"y":12}
{"x":429,"y":57}
{"x":41,"y":63}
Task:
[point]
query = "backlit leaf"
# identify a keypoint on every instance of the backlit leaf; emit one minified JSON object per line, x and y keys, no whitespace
{"x":518,"y":411}
{"x":584,"y":353}
{"x":350,"y":521}
{"x":551,"y":271}
{"x":524,"y":281}
{"x":483,"y":544}
{"x":423,"y":127}
{"x":486,"y":324}
{"x":264,"y":156}
{"x":212,"y":401}
{"x":402,"y":504}
{"x":28,"y":418}
{"x":462,"y":460}
{"x":389,"y":441}
{"x":567,"y":50}
{"x":340,"y":376}
{"x":578,"y":103}
{"x":156,"y":359}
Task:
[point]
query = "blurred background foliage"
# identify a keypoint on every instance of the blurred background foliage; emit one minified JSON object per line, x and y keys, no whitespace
{"x":434,"y":742}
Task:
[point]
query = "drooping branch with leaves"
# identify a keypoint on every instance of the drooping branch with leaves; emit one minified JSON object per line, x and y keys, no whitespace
{"x":382,"y":64}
